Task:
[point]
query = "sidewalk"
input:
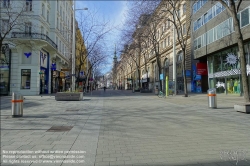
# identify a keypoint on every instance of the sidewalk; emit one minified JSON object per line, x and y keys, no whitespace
{"x":124,"y":128}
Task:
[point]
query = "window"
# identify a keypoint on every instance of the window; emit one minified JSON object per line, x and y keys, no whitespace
{"x":199,"y":23}
{"x":210,"y":36}
{"x":168,"y":40}
{"x":28,"y":5}
{"x":6,"y":3}
{"x":42,"y":30}
{"x":43,"y":8}
{"x":244,"y":17}
{"x":195,"y":25}
{"x":195,"y":44}
{"x":165,"y":43}
{"x":28,"y":27}
{"x":194,"y":8}
{"x":219,"y":32}
{"x":198,"y":5}
{"x":25,"y":78}
{"x":218,"y":8}
{"x":184,"y":8}
{"x":47,"y":16}
{"x":225,"y":28}
{"x":184,"y":29}
{"x":178,"y":13}
{"x":205,"y":18}
{"x":199,"y":42}
{"x":209,"y":13}
{"x":5,"y":26}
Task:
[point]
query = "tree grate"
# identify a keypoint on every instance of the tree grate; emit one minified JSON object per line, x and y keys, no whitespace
{"x":59,"y":128}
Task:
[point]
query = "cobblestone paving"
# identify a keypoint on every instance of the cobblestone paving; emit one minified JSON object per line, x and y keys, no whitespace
{"x":125,"y":128}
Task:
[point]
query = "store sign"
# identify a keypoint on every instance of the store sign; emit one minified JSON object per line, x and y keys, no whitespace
{"x":44,"y":59}
{"x":201,"y":68}
{"x":161,"y":76}
{"x":231,"y":59}
{"x":53,"y":66}
{"x":248,"y":69}
{"x":188,"y":73}
{"x":27,"y":54}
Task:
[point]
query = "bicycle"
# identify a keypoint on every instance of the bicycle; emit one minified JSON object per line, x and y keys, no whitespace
{"x":161,"y":94}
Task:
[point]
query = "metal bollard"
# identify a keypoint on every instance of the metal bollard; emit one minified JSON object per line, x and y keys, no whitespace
{"x":17,"y":105}
{"x":212,"y":99}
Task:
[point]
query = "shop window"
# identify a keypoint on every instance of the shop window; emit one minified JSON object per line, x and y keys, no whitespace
{"x":217,"y":63}
{"x":244,"y":17}
{"x":25,"y":78}
{"x":220,"y":85}
{"x":210,"y":64}
{"x":233,"y":85}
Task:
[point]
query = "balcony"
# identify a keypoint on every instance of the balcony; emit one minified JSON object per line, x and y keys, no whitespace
{"x":39,"y":36}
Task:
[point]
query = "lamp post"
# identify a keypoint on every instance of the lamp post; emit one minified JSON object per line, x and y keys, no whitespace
{"x":74,"y":47}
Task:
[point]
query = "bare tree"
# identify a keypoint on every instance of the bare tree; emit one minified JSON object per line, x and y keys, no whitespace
{"x":94,"y":32}
{"x":172,"y":9}
{"x":232,"y":8}
{"x":12,"y":14}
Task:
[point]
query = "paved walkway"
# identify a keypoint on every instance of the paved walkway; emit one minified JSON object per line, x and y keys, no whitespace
{"x":124,"y":128}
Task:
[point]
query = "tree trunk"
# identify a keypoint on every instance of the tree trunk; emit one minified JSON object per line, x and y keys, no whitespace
{"x":242,"y":57}
{"x":159,"y":69}
{"x":184,"y":73}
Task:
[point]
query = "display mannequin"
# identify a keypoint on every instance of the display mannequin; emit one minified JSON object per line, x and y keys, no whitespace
{"x":235,"y":85}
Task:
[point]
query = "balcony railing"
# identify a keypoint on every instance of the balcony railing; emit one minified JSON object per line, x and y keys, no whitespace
{"x":28,"y":35}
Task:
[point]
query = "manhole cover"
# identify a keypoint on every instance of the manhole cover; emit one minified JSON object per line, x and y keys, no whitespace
{"x":72,"y":110}
{"x":60,"y":128}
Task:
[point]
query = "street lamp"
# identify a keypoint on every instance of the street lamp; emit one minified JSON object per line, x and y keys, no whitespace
{"x":74,"y":46}
{"x":174,"y":56}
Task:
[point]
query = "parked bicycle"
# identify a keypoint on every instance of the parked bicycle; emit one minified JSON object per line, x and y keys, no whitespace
{"x":161,"y":94}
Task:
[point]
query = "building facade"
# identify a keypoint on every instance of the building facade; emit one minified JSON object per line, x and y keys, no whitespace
{"x":215,"y":46}
{"x":138,"y":66}
{"x":40,"y":45}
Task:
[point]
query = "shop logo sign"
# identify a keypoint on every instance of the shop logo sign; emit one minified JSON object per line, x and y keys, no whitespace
{"x":28,"y":54}
{"x":220,"y":84}
{"x":43,"y":57}
{"x":231,"y":59}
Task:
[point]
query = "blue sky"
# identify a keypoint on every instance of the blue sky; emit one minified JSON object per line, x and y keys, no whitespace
{"x":115,"y":12}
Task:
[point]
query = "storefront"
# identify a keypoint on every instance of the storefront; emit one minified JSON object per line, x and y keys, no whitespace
{"x":224,"y":71}
{"x":5,"y":64}
{"x":44,"y":72}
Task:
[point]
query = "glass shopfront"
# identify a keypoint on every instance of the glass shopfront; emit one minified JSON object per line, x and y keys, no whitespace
{"x":224,"y":70}
{"x":5,"y":70}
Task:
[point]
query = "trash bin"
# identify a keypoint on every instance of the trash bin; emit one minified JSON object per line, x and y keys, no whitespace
{"x":212,"y":99}
{"x":156,"y":90}
{"x":17,"y":105}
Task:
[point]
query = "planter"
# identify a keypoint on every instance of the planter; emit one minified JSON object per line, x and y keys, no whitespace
{"x":242,"y":108}
{"x":68,"y":96}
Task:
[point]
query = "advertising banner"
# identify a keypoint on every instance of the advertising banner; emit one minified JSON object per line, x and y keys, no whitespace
{"x":201,"y":68}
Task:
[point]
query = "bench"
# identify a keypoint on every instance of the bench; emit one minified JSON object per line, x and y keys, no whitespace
{"x":242,"y":108}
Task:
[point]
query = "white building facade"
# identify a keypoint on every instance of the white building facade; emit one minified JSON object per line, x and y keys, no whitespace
{"x":40,"y":45}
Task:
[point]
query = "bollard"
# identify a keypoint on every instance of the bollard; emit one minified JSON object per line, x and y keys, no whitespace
{"x":17,"y":105}
{"x":212,"y":99}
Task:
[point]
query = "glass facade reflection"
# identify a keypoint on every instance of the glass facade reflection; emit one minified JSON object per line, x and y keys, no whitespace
{"x":224,"y":70}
